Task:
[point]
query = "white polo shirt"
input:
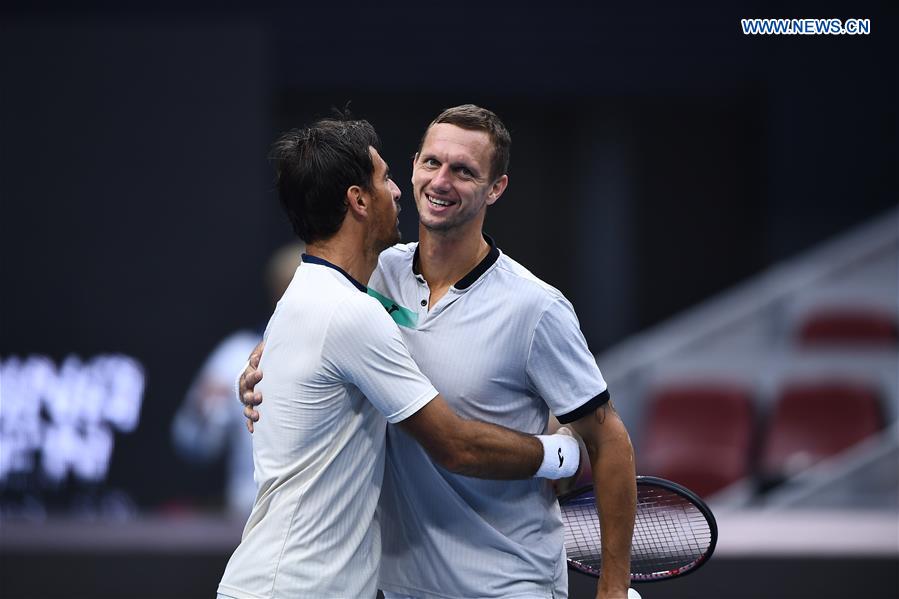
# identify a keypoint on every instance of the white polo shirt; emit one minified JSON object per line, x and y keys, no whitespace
{"x":503,"y":347}
{"x":335,"y":371}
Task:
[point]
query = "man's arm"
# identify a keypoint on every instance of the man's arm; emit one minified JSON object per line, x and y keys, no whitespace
{"x":467,"y":447}
{"x":614,"y":478}
{"x":482,"y":450}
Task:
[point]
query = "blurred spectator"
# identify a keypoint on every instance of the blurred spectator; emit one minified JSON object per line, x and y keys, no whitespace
{"x":209,"y":423}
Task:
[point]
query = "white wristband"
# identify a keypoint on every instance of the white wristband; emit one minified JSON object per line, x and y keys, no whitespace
{"x":561,"y":456}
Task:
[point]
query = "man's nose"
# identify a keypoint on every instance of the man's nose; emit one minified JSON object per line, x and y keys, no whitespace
{"x":441,"y":180}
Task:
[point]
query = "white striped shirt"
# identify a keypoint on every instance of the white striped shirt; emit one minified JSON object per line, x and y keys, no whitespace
{"x":503,"y":347}
{"x":334,"y":367}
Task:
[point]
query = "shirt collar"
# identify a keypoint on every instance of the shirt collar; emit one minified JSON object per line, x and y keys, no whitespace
{"x":475,"y":273}
{"x":316,"y":260}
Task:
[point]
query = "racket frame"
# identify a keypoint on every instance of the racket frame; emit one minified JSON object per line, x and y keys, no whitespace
{"x":677,"y":489}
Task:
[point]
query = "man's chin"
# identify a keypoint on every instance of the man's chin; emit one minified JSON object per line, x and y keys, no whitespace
{"x":441,"y":227}
{"x":389,"y":243}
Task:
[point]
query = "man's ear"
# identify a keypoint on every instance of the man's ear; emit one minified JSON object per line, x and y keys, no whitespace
{"x":356,"y":200}
{"x":497,"y":189}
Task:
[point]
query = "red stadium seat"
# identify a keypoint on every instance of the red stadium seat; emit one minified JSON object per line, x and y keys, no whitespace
{"x":849,"y":325}
{"x":816,"y":420}
{"x":699,"y":435}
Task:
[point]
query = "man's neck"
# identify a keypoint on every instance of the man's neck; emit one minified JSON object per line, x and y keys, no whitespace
{"x":444,"y":259}
{"x":357,"y":262}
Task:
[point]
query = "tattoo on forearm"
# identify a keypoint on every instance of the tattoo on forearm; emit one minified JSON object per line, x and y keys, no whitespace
{"x":602,"y":411}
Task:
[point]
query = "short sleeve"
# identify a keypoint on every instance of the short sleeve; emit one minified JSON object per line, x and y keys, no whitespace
{"x":364,"y":347}
{"x":561,"y":368}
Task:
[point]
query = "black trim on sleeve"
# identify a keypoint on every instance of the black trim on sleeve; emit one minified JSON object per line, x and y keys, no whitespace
{"x":578,"y":413}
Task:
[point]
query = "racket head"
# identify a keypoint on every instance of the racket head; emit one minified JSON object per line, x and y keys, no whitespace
{"x":674,"y":531}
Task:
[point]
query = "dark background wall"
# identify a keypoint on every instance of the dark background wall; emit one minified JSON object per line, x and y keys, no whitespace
{"x":659,"y":156}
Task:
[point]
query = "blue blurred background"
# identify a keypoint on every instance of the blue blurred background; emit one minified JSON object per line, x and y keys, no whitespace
{"x":676,"y":179}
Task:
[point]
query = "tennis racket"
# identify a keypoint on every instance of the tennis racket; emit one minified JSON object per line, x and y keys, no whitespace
{"x":674,"y":531}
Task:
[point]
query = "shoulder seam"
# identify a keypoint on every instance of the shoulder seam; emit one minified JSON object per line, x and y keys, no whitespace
{"x":534,"y":280}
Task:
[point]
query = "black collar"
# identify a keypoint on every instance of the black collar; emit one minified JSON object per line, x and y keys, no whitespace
{"x":475,"y":273}
{"x":323,"y":262}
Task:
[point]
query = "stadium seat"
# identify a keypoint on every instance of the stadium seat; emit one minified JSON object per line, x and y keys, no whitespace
{"x":815,"y":420}
{"x":848,"y":326}
{"x":699,"y":435}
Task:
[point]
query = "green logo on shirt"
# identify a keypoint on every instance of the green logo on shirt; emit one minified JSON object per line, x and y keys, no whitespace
{"x":401,"y":316}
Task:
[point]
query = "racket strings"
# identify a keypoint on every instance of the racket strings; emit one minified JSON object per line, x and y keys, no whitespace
{"x":670,"y":533}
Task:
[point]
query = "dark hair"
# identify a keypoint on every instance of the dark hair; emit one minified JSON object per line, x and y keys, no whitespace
{"x":315,"y":166}
{"x":475,"y":118}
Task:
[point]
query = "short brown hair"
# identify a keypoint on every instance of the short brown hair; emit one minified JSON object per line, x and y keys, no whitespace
{"x":316,"y":165}
{"x":475,"y":118}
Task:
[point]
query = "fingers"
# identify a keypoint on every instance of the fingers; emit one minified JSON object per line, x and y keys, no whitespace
{"x":253,"y":378}
{"x":252,"y":415}
{"x":251,"y":399}
{"x":248,"y":381}
{"x":257,"y":354}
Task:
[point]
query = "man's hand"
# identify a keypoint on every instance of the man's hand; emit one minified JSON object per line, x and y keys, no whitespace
{"x":629,"y":594}
{"x":248,"y":381}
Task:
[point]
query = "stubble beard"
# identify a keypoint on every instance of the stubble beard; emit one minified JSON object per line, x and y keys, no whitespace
{"x":389,"y":240}
{"x":443,"y":226}
{"x":457,"y":222}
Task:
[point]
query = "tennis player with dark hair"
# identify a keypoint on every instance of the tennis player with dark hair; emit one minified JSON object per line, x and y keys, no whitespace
{"x":337,"y":370}
{"x":502,"y":346}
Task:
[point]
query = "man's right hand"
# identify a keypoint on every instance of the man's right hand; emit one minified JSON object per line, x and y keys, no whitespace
{"x":249,"y":378}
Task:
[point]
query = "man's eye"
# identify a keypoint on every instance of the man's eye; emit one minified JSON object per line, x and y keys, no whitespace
{"x":431,"y":162}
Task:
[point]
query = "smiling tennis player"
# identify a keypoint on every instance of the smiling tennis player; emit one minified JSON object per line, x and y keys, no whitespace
{"x":337,"y":370}
{"x":503,"y":346}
